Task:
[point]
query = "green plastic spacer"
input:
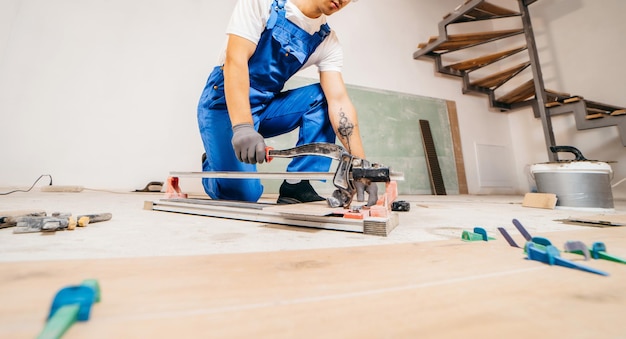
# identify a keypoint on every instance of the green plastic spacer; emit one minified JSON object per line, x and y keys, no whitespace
{"x":93,"y":283}
{"x":540,"y":243}
{"x":479,"y":234}
{"x":70,"y":304}
{"x":597,"y":251}
{"x":60,"y":322}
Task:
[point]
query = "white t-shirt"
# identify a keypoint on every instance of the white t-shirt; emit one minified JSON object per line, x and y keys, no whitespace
{"x":250,"y":17}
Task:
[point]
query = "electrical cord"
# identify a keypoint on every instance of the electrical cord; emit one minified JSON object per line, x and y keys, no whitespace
{"x":31,"y":187}
{"x":619,"y":182}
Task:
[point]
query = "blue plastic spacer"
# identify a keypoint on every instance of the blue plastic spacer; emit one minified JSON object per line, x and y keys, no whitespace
{"x":481,"y":231}
{"x":82,"y":295}
{"x":541,"y":241}
{"x":597,"y":247}
{"x":552,"y":256}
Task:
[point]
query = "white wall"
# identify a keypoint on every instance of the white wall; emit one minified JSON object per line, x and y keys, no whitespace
{"x":581,"y":50}
{"x":103,"y":93}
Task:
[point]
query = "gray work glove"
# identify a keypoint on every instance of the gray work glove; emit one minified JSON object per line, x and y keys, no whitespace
{"x":364,"y":185}
{"x":248,"y":144}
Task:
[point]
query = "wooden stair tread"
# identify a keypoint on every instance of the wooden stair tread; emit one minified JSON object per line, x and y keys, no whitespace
{"x":485,"y":60}
{"x":572,"y":99}
{"x":495,"y":9}
{"x":553,"y":104}
{"x":520,"y":93}
{"x":558,"y":97}
{"x":482,"y":11}
{"x":595,"y":110}
{"x":501,"y":77}
{"x":594,"y":116}
{"x":592,"y":110}
{"x":483,"y":35}
{"x":456,"y":41}
{"x":601,"y":106}
{"x":487,"y":10}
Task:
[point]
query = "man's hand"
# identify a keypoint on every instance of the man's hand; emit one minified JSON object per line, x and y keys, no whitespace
{"x":364,"y":185}
{"x":248,"y":144}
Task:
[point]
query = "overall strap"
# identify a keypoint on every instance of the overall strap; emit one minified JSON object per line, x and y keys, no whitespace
{"x":324,"y":31}
{"x":277,"y":6}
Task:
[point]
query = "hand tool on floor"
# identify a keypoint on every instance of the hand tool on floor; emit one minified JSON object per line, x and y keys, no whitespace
{"x":9,"y":218}
{"x":70,"y":304}
{"x":57,"y":222}
{"x":552,"y":256}
{"x":400,"y":206}
{"x":45,"y":223}
{"x":152,"y":186}
{"x":349,"y":169}
{"x":85,"y":219}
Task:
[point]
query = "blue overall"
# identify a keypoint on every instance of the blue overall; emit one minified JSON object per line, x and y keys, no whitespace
{"x":282,"y":50}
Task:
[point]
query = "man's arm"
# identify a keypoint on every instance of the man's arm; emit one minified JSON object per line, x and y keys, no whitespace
{"x":248,"y":144}
{"x":237,"y":79}
{"x":342,"y":113}
{"x":344,"y":119}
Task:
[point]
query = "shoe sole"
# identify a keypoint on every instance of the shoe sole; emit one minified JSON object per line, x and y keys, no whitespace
{"x":287,"y":201}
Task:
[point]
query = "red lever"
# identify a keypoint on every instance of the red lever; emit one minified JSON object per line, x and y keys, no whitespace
{"x":268,"y":158}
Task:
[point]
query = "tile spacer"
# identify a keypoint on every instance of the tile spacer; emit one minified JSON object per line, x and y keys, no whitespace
{"x":478,"y":234}
{"x":508,"y":237}
{"x":552,"y":256}
{"x":70,"y":304}
{"x":577,"y":247}
{"x":522,"y":230}
{"x":597,"y":251}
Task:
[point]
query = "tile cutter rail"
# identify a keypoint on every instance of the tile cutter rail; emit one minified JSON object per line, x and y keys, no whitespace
{"x":349,"y":170}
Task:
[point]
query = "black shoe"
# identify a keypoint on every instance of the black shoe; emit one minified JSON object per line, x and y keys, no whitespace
{"x":203,"y":159}
{"x":297,"y":193}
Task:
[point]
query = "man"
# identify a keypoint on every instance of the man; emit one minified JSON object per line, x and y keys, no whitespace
{"x":243,"y":102}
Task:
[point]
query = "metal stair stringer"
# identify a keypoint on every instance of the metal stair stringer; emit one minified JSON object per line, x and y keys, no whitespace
{"x":580,"y":111}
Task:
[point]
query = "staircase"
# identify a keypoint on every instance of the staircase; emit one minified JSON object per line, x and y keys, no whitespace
{"x":510,"y":77}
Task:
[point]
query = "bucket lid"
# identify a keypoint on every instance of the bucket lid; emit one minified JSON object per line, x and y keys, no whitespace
{"x":572,"y":166}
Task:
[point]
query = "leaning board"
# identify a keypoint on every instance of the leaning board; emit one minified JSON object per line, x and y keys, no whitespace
{"x":389,"y":124}
{"x":444,"y":289}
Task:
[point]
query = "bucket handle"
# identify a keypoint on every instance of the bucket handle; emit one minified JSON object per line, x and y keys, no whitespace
{"x":579,"y":156}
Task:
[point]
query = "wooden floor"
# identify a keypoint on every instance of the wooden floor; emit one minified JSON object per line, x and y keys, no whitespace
{"x":442,"y":289}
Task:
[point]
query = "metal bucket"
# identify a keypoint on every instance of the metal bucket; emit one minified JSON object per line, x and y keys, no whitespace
{"x":578,"y":183}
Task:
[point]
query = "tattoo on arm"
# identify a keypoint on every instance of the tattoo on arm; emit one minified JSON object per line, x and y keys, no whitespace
{"x":345,"y":129}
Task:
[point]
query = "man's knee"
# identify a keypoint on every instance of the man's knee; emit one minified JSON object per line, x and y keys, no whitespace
{"x":233,"y":189}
